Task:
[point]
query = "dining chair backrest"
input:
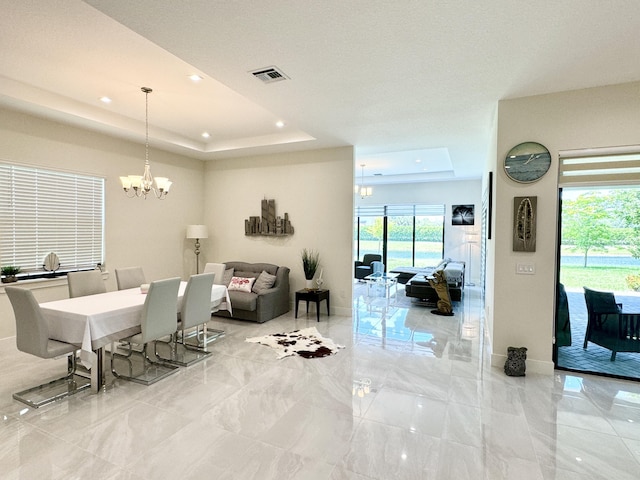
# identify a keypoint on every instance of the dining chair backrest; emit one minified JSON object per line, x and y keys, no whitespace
{"x":217,"y":269}
{"x":158,"y":318}
{"x":129,"y":277}
{"x":196,"y":302}
{"x":85,"y":283}
{"x":32,"y":334}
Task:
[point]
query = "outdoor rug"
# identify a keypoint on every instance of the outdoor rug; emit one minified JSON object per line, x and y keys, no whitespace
{"x":307,"y":343}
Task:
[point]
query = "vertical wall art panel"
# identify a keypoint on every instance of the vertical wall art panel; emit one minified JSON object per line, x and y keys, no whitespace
{"x":524,"y":224}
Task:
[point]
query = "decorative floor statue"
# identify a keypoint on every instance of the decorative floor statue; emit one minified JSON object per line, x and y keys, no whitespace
{"x":515,"y":365}
{"x":439,"y":284}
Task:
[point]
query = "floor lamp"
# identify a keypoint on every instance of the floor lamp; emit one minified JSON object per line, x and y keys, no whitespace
{"x":470,"y":239}
{"x":197,"y":232}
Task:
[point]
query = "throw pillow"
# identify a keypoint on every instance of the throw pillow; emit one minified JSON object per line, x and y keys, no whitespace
{"x":241,"y":284}
{"x":226,"y":277}
{"x":263,"y":282}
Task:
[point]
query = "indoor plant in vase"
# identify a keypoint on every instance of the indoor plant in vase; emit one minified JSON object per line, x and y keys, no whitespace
{"x":9,"y":273}
{"x":310,"y":263}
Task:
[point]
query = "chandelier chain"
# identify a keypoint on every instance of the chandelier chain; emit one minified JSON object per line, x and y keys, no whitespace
{"x":140,"y":186}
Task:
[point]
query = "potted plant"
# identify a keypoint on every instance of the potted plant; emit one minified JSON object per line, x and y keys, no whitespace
{"x":9,"y":273}
{"x":310,"y":263}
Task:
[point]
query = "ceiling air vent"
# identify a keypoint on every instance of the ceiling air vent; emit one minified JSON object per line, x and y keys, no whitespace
{"x":269,"y":74}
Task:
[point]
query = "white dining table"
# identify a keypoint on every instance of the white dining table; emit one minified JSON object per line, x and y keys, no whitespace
{"x":93,"y":321}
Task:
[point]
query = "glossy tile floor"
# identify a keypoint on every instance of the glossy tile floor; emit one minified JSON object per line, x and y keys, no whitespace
{"x":412,"y":396}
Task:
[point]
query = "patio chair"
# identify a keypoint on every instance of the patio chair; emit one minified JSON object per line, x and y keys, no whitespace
{"x":609,"y":326}
{"x":563,"y":322}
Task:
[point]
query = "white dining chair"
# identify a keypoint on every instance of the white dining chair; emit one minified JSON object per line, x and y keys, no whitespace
{"x":32,"y":336}
{"x":129,"y":277}
{"x":157,"y":320}
{"x":203,"y":337}
{"x":217,"y":269}
{"x":195,"y":312}
{"x":89,"y":282}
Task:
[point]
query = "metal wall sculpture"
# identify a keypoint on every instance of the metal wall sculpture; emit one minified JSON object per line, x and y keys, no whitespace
{"x":524,"y":224}
{"x":268,"y":224}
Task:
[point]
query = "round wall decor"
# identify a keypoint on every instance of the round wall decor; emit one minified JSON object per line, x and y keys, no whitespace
{"x":527,"y":162}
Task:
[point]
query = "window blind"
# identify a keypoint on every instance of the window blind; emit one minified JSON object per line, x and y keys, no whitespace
{"x":399,"y":210}
{"x":598,"y":168}
{"x":44,"y":211}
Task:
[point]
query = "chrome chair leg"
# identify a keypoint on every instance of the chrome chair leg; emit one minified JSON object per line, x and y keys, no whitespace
{"x":152,"y":371}
{"x":54,"y":390}
{"x":181,"y":354}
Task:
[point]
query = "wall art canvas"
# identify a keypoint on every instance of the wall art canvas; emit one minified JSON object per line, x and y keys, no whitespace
{"x":462,"y":215}
{"x":524,"y":224}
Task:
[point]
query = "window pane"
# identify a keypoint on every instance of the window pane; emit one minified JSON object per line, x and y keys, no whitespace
{"x":399,"y":242}
{"x":43,"y":211}
{"x":370,"y":235}
{"x":429,"y":240}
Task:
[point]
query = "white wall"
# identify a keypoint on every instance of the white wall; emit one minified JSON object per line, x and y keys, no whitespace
{"x":148,"y":232}
{"x":463,"y":192}
{"x":314,"y":187}
{"x":523,"y":307}
{"x":490,"y":278}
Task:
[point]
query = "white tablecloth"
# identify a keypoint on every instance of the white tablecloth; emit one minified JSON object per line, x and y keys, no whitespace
{"x":93,"y":321}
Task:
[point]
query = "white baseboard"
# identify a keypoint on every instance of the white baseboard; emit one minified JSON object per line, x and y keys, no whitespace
{"x":533,"y":366}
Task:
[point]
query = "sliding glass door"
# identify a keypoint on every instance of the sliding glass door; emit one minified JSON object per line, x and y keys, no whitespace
{"x":598,"y":250}
{"x":404,"y":235}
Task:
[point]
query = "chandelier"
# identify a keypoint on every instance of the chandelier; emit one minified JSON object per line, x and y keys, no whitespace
{"x":362,"y":190}
{"x":141,"y":185}
{"x":361,"y":387}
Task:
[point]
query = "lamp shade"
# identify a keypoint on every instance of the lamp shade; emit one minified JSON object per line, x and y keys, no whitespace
{"x":197,"y":231}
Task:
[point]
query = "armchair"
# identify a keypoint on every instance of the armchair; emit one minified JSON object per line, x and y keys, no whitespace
{"x":364,"y":268}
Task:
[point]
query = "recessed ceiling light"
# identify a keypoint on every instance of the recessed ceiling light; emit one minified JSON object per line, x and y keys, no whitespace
{"x":279,"y":124}
{"x":105,"y":99}
{"x":418,"y":160}
{"x":206,"y":134}
{"x":195,"y":77}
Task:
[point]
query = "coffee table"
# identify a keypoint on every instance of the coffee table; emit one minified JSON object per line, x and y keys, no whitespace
{"x":387,"y":280}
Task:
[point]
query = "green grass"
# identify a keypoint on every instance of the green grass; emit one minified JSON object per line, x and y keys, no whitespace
{"x":399,"y":252}
{"x":609,"y":250}
{"x":599,"y":278}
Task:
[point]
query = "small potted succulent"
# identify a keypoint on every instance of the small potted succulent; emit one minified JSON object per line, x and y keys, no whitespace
{"x":9,"y":273}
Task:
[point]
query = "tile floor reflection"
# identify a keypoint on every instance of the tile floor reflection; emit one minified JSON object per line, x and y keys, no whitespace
{"x":432,"y":408}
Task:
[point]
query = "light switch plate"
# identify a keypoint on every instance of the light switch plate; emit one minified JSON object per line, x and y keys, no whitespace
{"x":525,"y":268}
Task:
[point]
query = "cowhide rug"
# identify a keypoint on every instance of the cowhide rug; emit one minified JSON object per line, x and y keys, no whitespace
{"x":307,"y":343}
